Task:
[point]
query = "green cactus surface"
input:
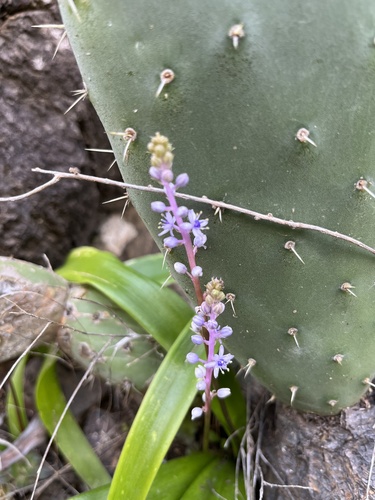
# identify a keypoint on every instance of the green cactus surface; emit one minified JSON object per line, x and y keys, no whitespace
{"x":92,"y":323}
{"x":32,"y":302}
{"x":277,"y":118}
{"x":39,"y":306}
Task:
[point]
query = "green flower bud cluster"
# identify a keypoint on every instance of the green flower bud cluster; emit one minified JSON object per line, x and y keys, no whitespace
{"x":161,"y":151}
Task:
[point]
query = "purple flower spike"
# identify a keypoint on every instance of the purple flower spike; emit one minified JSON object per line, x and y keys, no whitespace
{"x":158,"y":206}
{"x":182,"y":180}
{"x":180,"y":268}
{"x":167,"y":224}
{"x":196,"y":413}
{"x":197,"y":224}
{"x":192,"y":358}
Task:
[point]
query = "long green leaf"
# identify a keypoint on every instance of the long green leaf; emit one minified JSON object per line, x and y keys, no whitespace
{"x":176,"y":476}
{"x":152,"y":267}
{"x":160,"y":311}
{"x":172,"y":480}
{"x":70,"y":439}
{"x":217,"y":478}
{"x":15,"y":402}
{"x":158,"y":419}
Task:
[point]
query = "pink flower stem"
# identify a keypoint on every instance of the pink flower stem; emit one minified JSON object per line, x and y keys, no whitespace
{"x":185,"y":235}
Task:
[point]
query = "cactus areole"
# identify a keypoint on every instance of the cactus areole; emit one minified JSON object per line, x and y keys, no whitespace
{"x":270,"y":106}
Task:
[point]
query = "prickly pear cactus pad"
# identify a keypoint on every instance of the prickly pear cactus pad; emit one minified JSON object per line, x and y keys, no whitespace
{"x":270,"y":106}
{"x":32,"y":302}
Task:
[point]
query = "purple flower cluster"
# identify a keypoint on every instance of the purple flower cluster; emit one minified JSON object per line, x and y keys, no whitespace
{"x":182,"y":226}
{"x":205,"y":320}
{"x":177,"y":221}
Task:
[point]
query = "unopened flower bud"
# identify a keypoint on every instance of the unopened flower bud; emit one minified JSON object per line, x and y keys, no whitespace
{"x":200,"y":240}
{"x":197,"y":339}
{"x":218,"y":308}
{"x":166,"y":175}
{"x":201,"y":385}
{"x":225,"y":332}
{"x":182,"y":180}
{"x":205,"y":308}
{"x":192,"y":358}
{"x":224,"y":392}
{"x":158,"y":206}
{"x":155,"y":173}
{"x":197,"y":271}
{"x":180,"y":268}
{"x":196,"y":413}
{"x":182,"y":211}
{"x":198,"y":320}
{"x":171,"y":242}
{"x":212,"y":324}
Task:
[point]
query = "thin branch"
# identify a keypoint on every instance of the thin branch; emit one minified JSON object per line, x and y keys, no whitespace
{"x":55,"y":180}
{"x":57,"y":176}
{"x":370,"y":474}
{"x":24,"y":353}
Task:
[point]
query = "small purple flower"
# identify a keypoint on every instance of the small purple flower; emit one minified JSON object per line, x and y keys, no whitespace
{"x":197,"y":224}
{"x":167,"y":224}
{"x":192,"y":358}
{"x":180,"y":268}
{"x":220,"y":362}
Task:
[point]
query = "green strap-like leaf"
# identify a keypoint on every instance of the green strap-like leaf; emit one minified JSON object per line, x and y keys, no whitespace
{"x":171,"y":482}
{"x":152,"y":267}
{"x":216,"y":480}
{"x":158,"y":419}
{"x":176,"y":476}
{"x":15,"y":402}
{"x":70,"y":439}
{"x":160,"y":311}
